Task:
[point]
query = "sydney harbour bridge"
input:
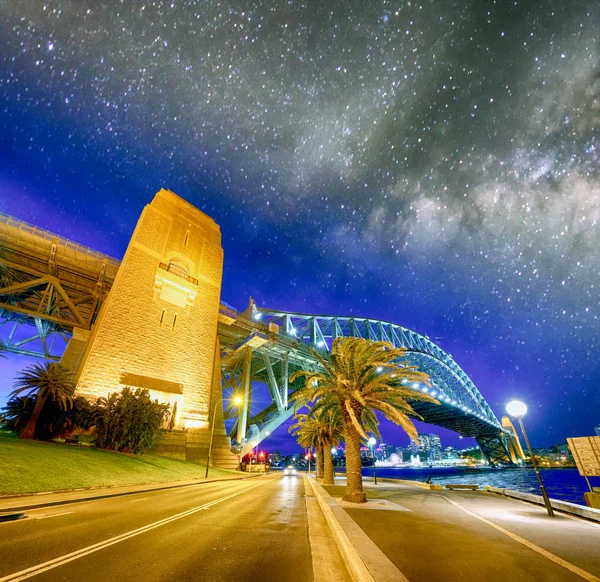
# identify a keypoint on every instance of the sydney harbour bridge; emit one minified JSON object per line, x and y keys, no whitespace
{"x":52,"y":295}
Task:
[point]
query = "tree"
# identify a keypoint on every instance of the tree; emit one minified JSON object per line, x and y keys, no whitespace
{"x":128,"y":422}
{"x":321,"y":428}
{"x":173,"y":417}
{"x":358,"y":378}
{"x":306,"y":430}
{"x":53,"y":422}
{"x":48,"y":380}
{"x":333,"y":430}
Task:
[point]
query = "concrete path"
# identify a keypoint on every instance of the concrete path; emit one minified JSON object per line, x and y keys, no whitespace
{"x":452,"y":535}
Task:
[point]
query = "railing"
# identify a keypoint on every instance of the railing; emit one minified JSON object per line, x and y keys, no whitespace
{"x":64,"y":242}
{"x":177,"y":271}
{"x":228,"y":311}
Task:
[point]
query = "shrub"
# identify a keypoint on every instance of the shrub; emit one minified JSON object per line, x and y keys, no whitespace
{"x":128,"y":422}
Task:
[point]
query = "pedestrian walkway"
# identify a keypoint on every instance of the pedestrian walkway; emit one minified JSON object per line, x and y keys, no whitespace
{"x":452,"y":535}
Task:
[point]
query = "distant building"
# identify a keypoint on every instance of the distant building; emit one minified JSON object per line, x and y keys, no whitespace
{"x":429,"y":447}
{"x":384,"y":452}
{"x":276,"y":459}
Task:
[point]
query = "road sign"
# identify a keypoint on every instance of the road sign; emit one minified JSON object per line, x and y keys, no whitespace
{"x":586,"y":452}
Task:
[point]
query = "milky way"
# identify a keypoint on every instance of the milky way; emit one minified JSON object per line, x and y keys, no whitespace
{"x":435,"y":164}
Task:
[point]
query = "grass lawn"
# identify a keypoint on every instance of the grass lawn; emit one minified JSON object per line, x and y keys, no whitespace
{"x":33,"y":466}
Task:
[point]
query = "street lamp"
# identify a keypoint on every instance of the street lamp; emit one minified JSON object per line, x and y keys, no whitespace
{"x":307,"y":457}
{"x":372,"y":443}
{"x":236,"y":401}
{"x":519,"y":410}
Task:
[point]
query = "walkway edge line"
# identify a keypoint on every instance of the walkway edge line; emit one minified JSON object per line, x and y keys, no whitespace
{"x":120,"y":494}
{"x":517,"y":538}
{"x":361,"y":569}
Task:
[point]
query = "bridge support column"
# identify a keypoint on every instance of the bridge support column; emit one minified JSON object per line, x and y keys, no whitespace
{"x":75,"y":350}
{"x":247,"y":391}
{"x":157,"y":329}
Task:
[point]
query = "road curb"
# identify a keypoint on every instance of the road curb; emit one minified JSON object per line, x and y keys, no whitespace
{"x":368,"y":565}
{"x":17,"y":508}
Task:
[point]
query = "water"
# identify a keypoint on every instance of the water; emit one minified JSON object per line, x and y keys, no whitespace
{"x":565,"y":484}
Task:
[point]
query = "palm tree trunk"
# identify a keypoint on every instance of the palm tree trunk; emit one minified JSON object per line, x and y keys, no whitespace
{"x":328,"y":468}
{"x":29,"y":430}
{"x":320,"y":462}
{"x":354,"y":489}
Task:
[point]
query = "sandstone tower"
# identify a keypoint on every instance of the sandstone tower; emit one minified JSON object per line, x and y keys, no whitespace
{"x":158,"y":327}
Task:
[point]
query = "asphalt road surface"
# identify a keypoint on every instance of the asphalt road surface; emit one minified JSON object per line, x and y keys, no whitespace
{"x":255,"y":529}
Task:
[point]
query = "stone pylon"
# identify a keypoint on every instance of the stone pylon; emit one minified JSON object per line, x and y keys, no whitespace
{"x":157,"y":328}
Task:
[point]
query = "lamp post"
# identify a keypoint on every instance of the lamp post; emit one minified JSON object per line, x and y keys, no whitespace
{"x":372,"y":443}
{"x":307,"y":457}
{"x":518,"y":410}
{"x":236,"y":401}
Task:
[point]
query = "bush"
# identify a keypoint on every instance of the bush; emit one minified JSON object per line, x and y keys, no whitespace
{"x":53,"y":422}
{"x":128,"y":422}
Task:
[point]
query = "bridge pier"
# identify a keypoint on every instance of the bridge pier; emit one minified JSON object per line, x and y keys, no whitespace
{"x":157,"y":329}
{"x":75,"y":350}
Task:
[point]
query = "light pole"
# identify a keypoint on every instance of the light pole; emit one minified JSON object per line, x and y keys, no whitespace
{"x":372,"y":443}
{"x":236,"y":401}
{"x":307,"y":457}
{"x":518,"y":410}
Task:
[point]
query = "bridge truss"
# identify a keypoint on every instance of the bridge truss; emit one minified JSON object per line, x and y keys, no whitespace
{"x":267,"y":346}
{"x":48,"y":286}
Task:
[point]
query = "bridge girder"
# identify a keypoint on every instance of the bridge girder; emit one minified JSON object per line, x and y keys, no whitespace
{"x":49,"y":283}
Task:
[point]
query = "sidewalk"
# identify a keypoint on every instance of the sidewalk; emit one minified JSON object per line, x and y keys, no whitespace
{"x":449,"y":535}
{"x":23,"y":502}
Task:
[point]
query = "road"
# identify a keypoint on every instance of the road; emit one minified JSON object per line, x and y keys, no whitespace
{"x":255,"y":529}
{"x":444,"y":536}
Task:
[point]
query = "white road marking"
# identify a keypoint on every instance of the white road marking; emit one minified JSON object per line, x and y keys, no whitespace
{"x":554,"y":558}
{"x":53,"y":515}
{"x":56,"y":562}
{"x":136,"y":500}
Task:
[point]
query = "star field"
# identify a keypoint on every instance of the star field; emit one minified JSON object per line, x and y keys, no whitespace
{"x":431,"y":163}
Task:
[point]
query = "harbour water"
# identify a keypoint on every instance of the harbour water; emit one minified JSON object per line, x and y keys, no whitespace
{"x":565,"y":484}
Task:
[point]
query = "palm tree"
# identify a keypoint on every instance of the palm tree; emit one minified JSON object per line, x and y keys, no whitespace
{"x":48,"y":380}
{"x":307,"y":432}
{"x":332,"y":432}
{"x":360,"y":377}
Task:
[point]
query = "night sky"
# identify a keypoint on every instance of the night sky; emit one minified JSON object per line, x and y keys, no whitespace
{"x":434,"y":163}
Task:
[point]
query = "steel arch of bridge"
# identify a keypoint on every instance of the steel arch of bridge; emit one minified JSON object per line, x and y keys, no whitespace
{"x":283,"y":342}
